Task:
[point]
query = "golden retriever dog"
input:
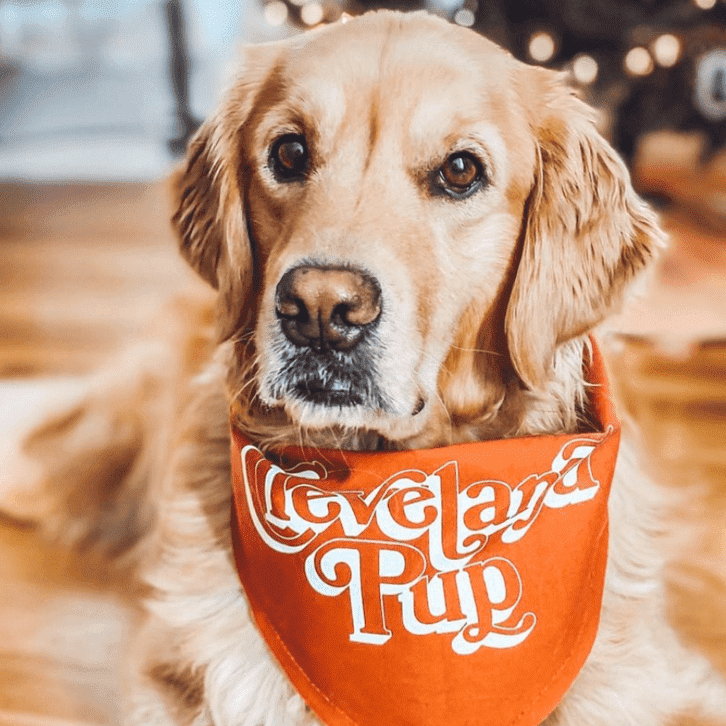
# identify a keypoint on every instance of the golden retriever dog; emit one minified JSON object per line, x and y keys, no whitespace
{"x":411,"y":236}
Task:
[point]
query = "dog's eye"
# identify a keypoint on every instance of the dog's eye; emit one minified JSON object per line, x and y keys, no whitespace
{"x":461,"y":175}
{"x":289,"y":157}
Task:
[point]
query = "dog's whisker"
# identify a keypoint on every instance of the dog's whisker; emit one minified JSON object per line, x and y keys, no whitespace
{"x":476,"y":350}
{"x":241,"y":335}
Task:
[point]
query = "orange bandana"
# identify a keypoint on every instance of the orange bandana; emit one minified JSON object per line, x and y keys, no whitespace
{"x":458,"y":586}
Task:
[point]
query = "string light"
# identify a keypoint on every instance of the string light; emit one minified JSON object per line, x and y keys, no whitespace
{"x":638,"y":62}
{"x":705,"y":4}
{"x":312,"y":13}
{"x":667,"y":50}
{"x":276,"y":12}
{"x":541,"y":47}
{"x":464,"y":17}
{"x":585,"y":69}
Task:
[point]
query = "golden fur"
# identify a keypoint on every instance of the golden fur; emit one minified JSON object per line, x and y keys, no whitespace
{"x":487,"y":303}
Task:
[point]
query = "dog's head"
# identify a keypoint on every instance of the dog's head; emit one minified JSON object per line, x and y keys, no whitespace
{"x":405,"y":225}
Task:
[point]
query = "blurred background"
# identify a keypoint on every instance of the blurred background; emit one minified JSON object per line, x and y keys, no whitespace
{"x":97,"y":101}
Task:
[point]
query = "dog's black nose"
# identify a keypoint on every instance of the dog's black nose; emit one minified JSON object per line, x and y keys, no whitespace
{"x":327,"y":308}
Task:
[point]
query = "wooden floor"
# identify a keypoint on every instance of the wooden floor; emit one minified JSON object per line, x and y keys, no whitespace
{"x":82,"y":269}
{"x":680,"y":406}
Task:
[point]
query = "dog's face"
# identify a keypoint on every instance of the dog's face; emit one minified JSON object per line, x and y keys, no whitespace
{"x":386,"y":200}
{"x":404,"y":223}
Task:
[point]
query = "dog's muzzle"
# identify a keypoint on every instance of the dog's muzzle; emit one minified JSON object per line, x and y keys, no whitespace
{"x":328,"y":316}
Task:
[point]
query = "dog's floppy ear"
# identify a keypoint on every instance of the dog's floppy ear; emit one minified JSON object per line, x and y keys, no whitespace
{"x":586,"y":232}
{"x":210,"y":195}
{"x":210,"y":221}
{"x":199,"y":215}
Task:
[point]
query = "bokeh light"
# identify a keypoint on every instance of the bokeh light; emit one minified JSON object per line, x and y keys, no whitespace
{"x":667,"y":50}
{"x":464,"y":17}
{"x":585,"y":69}
{"x":541,"y":47}
{"x":638,"y":61}
{"x":312,"y":13}
{"x":276,"y":12}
